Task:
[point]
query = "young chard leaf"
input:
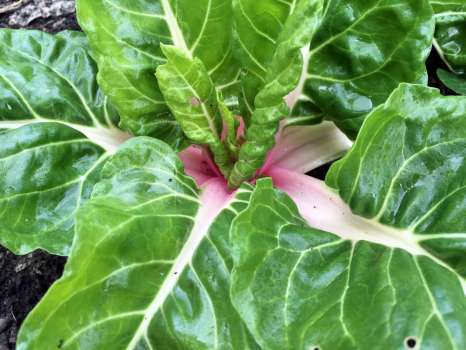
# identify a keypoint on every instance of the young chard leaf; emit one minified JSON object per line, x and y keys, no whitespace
{"x":151,"y":263}
{"x":282,"y":75}
{"x":258,"y":25}
{"x":126,"y":44}
{"x":58,"y":131}
{"x":232,"y":125}
{"x":301,"y":288}
{"x":193,"y":100}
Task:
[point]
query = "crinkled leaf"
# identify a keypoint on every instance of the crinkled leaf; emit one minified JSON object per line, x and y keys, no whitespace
{"x":258,"y":25}
{"x":450,"y":33}
{"x":48,"y":88}
{"x":281,"y":77}
{"x":192,"y":98}
{"x":125,"y":37}
{"x":151,"y":263}
{"x":452,"y":81}
{"x":298,"y":288}
{"x":360,"y":53}
{"x":416,"y":184}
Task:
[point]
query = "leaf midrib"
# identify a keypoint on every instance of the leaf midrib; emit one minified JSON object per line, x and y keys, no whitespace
{"x":174,"y":28}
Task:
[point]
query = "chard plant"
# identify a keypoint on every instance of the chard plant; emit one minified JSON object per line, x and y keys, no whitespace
{"x":166,"y":150}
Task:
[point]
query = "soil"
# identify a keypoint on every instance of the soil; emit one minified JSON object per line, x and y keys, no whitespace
{"x":24,"y":280}
{"x":48,"y":15}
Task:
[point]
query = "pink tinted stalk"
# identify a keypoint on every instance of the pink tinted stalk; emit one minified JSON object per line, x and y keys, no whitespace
{"x":198,"y":164}
{"x":325,"y":210}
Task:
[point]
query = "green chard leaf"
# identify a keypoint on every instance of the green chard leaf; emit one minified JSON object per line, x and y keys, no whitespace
{"x":394,"y":277}
{"x":193,"y":100}
{"x":450,"y":33}
{"x":452,"y":81}
{"x":298,"y":288}
{"x":258,"y":25}
{"x":359,"y":54}
{"x":281,"y":77}
{"x":416,"y":185}
{"x":150,"y":268}
{"x":58,"y":129}
{"x":126,"y":44}
{"x":158,"y":264}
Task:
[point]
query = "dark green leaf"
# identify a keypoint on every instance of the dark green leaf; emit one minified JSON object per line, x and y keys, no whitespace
{"x":450,"y":33}
{"x":452,"y":81}
{"x":362,"y":51}
{"x":48,"y":90}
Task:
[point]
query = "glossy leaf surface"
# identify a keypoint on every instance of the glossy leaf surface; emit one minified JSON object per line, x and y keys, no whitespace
{"x":360,"y":53}
{"x":126,"y":43}
{"x":48,"y":90}
{"x":416,"y":185}
{"x":302,"y":289}
{"x":50,"y":77}
{"x":47,"y":170}
{"x":151,"y":264}
{"x":452,"y":81}
{"x":450,"y":33}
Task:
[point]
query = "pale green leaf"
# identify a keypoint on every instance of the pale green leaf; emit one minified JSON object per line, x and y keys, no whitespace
{"x":407,"y":170}
{"x":193,"y":100}
{"x":125,"y":36}
{"x":151,"y":263}
{"x":298,"y":288}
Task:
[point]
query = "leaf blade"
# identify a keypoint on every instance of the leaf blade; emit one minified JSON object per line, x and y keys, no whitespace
{"x":422,"y":190}
{"x":127,"y":49}
{"x":303,"y":288}
{"x":49,"y":97}
{"x":144,"y":198}
{"x":193,"y":99}
{"x":355,"y":63}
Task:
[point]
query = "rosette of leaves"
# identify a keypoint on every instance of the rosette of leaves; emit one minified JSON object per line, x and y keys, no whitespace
{"x":202,"y":230}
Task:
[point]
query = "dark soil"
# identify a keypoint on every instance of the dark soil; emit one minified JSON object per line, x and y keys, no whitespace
{"x":48,"y":15}
{"x":24,"y":280}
